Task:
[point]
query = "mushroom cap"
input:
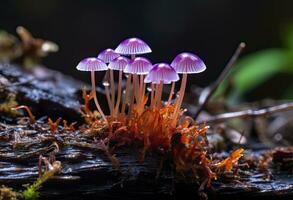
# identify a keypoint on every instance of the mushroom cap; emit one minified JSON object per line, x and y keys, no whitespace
{"x":107,"y":55}
{"x":139,"y":65}
{"x":133,"y":46}
{"x":118,"y":63}
{"x":161,"y":72}
{"x":91,"y":64}
{"x":188,"y":63}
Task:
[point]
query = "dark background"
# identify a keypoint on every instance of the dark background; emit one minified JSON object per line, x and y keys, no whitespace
{"x":212,"y":29}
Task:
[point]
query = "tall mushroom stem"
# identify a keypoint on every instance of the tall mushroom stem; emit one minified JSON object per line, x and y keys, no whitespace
{"x":119,"y":92}
{"x":112,"y":89}
{"x":107,"y":91}
{"x":95,"y":96}
{"x":152,"y":94}
{"x":159,"y":95}
{"x":128,"y":82}
{"x":141,"y":92}
{"x":171,"y":93}
{"x":136,"y":87}
{"x":180,"y":98}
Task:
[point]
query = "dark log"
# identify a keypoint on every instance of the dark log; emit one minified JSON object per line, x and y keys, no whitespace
{"x":86,"y":172}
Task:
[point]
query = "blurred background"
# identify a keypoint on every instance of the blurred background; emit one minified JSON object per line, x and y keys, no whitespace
{"x":211,"y":29}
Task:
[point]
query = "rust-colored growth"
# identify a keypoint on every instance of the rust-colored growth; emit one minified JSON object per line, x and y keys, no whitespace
{"x":88,"y":115}
{"x":54,"y":125}
{"x":231,"y":161}
{"x":30,"y":114}
{"x":67,"y":127}
{"x":87,"y":98}
{"x":189,"y":149}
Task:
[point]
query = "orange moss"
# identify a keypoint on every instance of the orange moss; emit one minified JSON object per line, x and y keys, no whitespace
{"x":54,"y":125}
{"x":231,"y":161}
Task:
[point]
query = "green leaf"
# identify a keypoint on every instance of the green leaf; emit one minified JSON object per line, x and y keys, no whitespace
{"x":254,"y":69}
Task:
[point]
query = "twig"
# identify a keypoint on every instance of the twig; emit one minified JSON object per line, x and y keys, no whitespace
{"x":249,"y":113}
{"x":221,"y":78}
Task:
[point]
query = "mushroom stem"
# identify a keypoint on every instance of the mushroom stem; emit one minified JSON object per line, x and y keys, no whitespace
{"x":152,"y":94}
{"x":141,"y":92}
{"x":171,"y":93}
{"x":159,"y":95}
{"x":136,"y":87}
{"x":95,"y":96}
{"x":112,"y":89}
{"x":180,"y":98}
{"x":108,"y":98}
{"x":119,"y":92}
{"x":107,"y":91}
{"x":156,"y":94}
{"x":126,"y":93}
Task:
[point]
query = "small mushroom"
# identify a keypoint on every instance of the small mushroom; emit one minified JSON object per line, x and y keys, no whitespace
{"x":161,"y":73}
{"x":107,"y":56}
{"x":93,"y":64}
{"x":186,"y":63}
{"x":133,"y":46}
{"x":138,"y":66}
{"x":119,"y":64}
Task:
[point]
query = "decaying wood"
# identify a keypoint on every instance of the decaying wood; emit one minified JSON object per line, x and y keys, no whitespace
{"x":87,"y":173}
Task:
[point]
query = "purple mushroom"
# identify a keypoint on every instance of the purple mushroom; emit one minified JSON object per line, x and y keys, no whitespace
{"x":138,"y":66}
{"x":108,"y":55}
{"x":119,"y":64}
{"x":186,"y":63}
{"x":133,"y":46}
{"x":161,"y":73}
{"x":92,"y":65}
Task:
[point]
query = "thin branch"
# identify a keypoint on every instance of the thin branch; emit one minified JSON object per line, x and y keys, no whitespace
{"x":221,"y":78}
{"x":249,"y":113}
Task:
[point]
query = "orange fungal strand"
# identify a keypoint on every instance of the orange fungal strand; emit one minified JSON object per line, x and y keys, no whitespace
{"x":68,"y":128}
{"x":54,"y":125}
{"x":231,"y":161}
{"x":29,"y":112}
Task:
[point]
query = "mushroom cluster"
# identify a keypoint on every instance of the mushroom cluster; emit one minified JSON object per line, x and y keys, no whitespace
{"x":141,"y":116}
{"x":137,"y":98}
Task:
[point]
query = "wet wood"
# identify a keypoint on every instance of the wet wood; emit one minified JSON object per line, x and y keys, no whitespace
{"x":87,"y":173}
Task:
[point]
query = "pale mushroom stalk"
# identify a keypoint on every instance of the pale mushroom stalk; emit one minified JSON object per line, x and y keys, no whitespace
{"x":138,"y":67}
{"x":180,"y":96}
{"x":107,"y":56}
{"x":128,"y":83}
{"x":95,"y":95}
{"x":159,"y":94}
{"x":119,"y":92}
{"x":171,"y":93}
{"x":119,"y":64}
{"x":91,"y":65}
{"x":107,"y":91}
{"x":185,"y":63}
{"x":160,"y":74}
{"x":141,"y":92}
{"x":112,"y":89}
{"x":132,"y":47}
{"x":106,"y":84}
{"x":152,"y":94}
{"x":136,"y":87}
